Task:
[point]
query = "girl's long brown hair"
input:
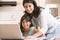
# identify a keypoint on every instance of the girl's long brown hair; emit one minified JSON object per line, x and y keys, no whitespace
{"x":27,"y":18}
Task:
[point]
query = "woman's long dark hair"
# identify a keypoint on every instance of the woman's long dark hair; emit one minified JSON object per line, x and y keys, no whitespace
{"x":27,"y":18}
{"x":36,"y":11}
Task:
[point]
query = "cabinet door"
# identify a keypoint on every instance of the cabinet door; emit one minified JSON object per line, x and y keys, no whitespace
{"x":54,"y":11}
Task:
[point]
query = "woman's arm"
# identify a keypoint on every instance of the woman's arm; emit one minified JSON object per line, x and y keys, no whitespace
{"x":43,"y":20}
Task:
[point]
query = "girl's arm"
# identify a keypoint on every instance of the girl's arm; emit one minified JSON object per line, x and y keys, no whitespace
{"x":36,"y":29}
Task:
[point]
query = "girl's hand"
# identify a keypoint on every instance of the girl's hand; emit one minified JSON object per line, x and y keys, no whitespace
{"x":28,"y":38}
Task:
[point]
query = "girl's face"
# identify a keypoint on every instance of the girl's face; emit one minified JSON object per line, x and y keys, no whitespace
{"x":26,"y":24}
{"x":29,"y":7}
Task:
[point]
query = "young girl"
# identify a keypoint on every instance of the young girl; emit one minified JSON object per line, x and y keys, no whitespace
{"x":26,"y":26}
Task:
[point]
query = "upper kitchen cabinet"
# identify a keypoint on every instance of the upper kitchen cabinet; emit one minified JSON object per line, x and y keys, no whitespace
{"x":52,"y":1}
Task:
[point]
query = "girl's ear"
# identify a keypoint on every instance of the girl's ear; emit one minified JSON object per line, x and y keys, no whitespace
{"x":30,"y":23}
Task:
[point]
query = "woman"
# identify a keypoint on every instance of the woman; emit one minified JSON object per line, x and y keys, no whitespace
{"x":40,"y":17}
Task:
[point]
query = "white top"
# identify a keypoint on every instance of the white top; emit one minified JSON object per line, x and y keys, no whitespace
{"x":46,"y":21}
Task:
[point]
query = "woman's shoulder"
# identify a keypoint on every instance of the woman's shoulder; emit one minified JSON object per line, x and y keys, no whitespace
{"x":45,"y":11}
{"x":42,"y":8}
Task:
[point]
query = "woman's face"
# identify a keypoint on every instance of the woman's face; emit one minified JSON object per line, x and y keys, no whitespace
{"x":26,"y":24}
{"x":29,"y":7}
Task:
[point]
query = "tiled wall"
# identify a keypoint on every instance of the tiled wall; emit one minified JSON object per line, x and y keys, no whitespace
{"x":11,"y":13}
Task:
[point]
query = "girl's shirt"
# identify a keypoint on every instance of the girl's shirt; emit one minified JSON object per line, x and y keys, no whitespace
{"x":31,"y":32}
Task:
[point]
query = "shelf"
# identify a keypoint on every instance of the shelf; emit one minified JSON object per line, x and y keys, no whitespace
{"x":8,"y":3}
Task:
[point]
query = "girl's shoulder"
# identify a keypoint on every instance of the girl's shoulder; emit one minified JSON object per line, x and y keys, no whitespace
{"x":32,"y":27}
{"x":45,"y":11}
